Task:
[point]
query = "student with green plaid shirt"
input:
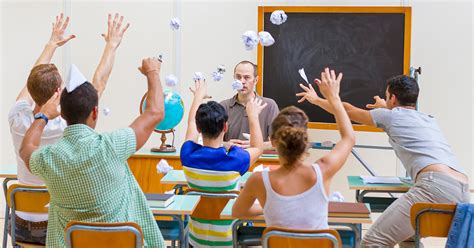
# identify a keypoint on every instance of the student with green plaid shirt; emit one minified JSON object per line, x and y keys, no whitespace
{"x":86,"y":173}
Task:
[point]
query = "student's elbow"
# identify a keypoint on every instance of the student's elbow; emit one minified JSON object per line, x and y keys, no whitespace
{"x":236,"y":212}
{"x":350,"y":139}
{"x":157,"y":115}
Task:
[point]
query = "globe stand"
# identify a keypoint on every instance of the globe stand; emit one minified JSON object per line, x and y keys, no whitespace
{"x":165,"y":147}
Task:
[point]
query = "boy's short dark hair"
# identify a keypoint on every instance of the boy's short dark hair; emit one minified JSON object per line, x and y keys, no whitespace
{"x":77,"y":105}
{"x":405,"y":88}
{"x":210,"y":119}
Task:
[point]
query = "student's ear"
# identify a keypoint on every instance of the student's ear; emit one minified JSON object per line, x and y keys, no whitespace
{"x":226,"y":127}
{"x":256,"y":79}
{"x":95,"y":113}
{"x":393,"y":100}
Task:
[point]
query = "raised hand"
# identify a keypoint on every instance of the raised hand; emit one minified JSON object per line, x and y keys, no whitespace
{"x":254,"y":107}
{"x":200,"y":89}
{"x":57,"y":35}
{"x":150,"y":65}
{"x":115,"y":31}
{"x":309,"y":94}
{"x":329,"y":84}
{"x":50,"y":108}
{"x":379,"y":103}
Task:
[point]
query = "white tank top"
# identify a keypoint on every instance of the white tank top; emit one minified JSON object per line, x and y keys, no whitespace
{"x":308,"y":210}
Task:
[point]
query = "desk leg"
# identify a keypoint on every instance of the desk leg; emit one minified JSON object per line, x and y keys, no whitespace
{"x":357,"y":195}
{"x":183,"y":243}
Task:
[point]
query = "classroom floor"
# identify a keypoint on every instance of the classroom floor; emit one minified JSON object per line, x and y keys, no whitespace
{"x":428,"y":243}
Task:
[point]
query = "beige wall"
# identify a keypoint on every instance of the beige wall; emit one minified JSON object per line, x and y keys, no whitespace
{"x":210,"y":35}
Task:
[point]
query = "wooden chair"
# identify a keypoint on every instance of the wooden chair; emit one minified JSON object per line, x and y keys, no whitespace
{"x":431,"y":220}
{"x":26,"y":198}
{"x":275,"y":237}
{"x":82,"y":234}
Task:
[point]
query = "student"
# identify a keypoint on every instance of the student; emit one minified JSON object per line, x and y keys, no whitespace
{"x":419,"y":143}
{"x":43,"y":81}
{"x":86,"y":173}
{"x":238,"y":123}
{"x":304,"y":204}
{"x":212,"y":160}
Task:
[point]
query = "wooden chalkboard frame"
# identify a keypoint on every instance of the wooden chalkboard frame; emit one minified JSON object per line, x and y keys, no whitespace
{"x":262,"y":10}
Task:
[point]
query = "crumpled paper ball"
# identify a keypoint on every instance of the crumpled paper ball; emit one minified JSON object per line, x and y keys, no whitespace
{"x":175,"y":23}
{"x":106,"y":111}
{"x":337,"y":197}
{"x":163,"y":167}
{"x":171,"y":80}
{"x":266,"y":38}
{"x":217,"y":76}
{"x":278,"y":17}
{"x":250,"y":40}
{"x":198,"y":76}
{"x":237,"y":85}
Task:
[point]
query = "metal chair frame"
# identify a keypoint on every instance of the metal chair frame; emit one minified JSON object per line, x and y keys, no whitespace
{"x":418,"y":217}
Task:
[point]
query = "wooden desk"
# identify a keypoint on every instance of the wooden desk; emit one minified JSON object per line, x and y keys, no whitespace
{"x":355,"y":223}
{"x":182,"y":205}
{"x":143,"y":166}
{"x":10,"y":172}
{"x":377,"y":204}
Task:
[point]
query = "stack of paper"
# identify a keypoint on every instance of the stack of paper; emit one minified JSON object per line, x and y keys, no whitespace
{"x":386,"y":180}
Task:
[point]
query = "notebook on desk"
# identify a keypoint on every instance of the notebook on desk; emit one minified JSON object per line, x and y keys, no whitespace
{"x":382,"y":180}
{"x":348,"y":210}
{"x":159,"y":200}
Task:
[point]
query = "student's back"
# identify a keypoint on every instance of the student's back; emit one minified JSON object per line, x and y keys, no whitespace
{"x":290,"y":207}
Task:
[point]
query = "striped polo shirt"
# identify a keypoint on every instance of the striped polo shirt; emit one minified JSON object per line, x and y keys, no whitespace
{"x":212,"y":169}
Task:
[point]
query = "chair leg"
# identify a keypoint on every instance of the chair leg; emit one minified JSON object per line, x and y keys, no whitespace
{"x":5,"y":226}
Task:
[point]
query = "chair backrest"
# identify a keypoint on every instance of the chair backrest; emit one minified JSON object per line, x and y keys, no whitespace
{"x":210,"y":180}
{"x":28,"y":198}
{"x":432,"y":219}
{"x":211,"y":204}
{"x":82,"y":234}
{"x":275,"y":237}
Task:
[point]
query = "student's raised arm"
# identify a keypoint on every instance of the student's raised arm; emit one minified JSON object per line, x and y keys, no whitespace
{"x":32,"y":138}
{"x":154,"y":112}
{"x":56,"y":40}
{"x":356,"y":114}
{"x":254,"y":108}
{"x":199,"y":92}
{"x":113,"y":37}
{"x":335,"y":159}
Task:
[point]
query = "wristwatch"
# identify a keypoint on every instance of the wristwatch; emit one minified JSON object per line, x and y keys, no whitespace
{"x":40,"y":115}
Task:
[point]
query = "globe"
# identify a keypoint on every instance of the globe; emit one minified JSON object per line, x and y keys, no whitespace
{"x":174,"y":111}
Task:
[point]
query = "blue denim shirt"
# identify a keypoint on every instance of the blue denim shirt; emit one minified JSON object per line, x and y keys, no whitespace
{"x":461,"y":233}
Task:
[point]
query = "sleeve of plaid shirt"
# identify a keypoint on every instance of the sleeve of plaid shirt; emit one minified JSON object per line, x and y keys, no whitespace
{"x":37,"y":163}
{"x":124,"y":142}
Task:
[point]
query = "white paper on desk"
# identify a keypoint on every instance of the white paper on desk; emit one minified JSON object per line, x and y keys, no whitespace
{"x":386,"y":180}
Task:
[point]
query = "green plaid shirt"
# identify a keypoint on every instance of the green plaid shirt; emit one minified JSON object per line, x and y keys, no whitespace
{"x":88,"y":178}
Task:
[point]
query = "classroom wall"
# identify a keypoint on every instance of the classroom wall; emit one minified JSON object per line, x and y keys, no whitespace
{"x":210,"y":35}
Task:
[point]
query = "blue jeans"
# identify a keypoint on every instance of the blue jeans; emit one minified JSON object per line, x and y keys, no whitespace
{"x":28,"y":231}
